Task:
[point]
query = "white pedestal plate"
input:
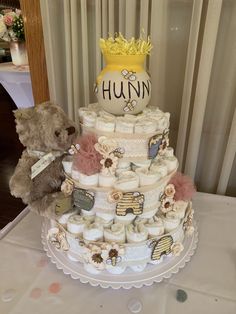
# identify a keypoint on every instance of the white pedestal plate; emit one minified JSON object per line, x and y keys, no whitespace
{"x":128,"y":279}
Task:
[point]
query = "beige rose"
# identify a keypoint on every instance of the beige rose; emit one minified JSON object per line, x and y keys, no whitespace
{"x":114,"y":196}
{"x":105,"y":145}
{"x":170,"y":190}
{"x":67,"y":187}
{"x":177,"y":248}
{"x":189,"y":230}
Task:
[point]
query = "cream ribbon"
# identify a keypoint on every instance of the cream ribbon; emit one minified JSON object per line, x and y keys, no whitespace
{"x":45,"y":159}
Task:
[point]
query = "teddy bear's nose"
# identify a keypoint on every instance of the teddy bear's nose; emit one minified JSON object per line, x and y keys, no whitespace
{"x":70,"y":130}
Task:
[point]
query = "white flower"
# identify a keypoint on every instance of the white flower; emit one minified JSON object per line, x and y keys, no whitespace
{"x":58,"y":238}
{"x":166,"y":204}
{"x":105,"y":145}
{"x":170,"y":190}
{"x":96,"y":256}
{"x":67,"y":187}
{"x":177,"y":248}
{"x":109,"y":164}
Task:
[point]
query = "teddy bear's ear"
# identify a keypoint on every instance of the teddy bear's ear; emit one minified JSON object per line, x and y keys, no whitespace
{"x":23,"y":114}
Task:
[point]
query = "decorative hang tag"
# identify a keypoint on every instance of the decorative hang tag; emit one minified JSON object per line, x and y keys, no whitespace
{"x":63,"y":205}
{"x":41,"y":164}
{"x":131,"y":202}
{"x":154,"y":146}
{"x":162,"y":247}
{"x":83,"y":199}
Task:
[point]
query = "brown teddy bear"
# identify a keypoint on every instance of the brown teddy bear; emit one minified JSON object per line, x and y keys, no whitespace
{"x":47,"y":134}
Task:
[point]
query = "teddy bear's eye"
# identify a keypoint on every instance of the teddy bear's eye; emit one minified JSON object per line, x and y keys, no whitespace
{"x":57,"y":133}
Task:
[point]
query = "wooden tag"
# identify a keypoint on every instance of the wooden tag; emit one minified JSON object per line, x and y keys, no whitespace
{"x":83,"y":199}
{"x":154,"y":145}
{"x":162,"y":247}
{"x":63,"y":205}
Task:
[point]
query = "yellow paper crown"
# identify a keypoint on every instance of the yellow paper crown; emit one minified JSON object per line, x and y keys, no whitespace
{"x":121,"y":46}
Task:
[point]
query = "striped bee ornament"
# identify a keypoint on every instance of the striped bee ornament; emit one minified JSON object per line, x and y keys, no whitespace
{"x":161,"y":247}
{"x":131,"y":202}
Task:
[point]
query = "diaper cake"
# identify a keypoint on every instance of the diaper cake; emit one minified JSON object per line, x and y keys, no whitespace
{"x":131,"y":208}
{"x":115,"y":200}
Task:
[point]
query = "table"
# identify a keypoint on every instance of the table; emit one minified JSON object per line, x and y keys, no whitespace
{"x":17,"y":82}
{"x":31,"y":284}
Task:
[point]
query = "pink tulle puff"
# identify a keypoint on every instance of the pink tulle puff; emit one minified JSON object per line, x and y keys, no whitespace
{"x":184,"y":187}
{"x":87,"y":160}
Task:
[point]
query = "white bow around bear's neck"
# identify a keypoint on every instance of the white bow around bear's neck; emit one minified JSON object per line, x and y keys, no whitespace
{"x":45,"y":159}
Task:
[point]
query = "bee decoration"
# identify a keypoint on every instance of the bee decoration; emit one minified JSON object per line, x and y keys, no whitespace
{"x":74,"y":149}
{"x":130,"y":104}
{"x":113,"y":258}
{"x":118,"y":152}
{"x":129,"y":75}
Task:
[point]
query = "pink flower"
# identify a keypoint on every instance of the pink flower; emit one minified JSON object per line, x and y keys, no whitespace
{"x":8,"y":19}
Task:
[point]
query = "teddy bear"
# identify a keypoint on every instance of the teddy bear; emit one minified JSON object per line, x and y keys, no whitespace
{"x":47,"y":134}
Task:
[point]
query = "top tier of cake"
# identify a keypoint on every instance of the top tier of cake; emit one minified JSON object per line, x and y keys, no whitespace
{"x":124,"y":86}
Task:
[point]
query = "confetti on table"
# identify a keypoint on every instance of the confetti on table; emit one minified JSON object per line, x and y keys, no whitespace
{"x":36,"y":293}
{"x":8,"y":295}
{"x":181,"y":295}
{"x":42,"y":262}
{"x":54,"y":288}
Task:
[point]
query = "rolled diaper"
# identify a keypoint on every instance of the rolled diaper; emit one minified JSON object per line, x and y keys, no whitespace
{"x":93,"y":232}
{"x":147,"y":177}
{"x":169,"y":152}
{"x":67,"y":164}
{"x":130,"y":117}
{"x":88,"y":180}
{"x":162,"y":119}
{"x":106,"y":180}
{"x":139,"y":220}
{"x":144,"y":126}
{"x":95,"y":107}
{"x":75,"y":174}
{"x":106,"y":124}
{"x":124,"y":125}
{"x":154,"y":226}
{"x":106,"y":114}
{"x":127,"y":180}
{"x":135,"y":234}
{"x":125,"y":220}
{"x":88,"y":213}
{"x":64,"y":218}
{"x":123,"y":166}
{"x":89,"y":119}
{"x":115,"y":233}
{"x":75,"y":224}
{"x":178,"y":211}
{"x":107,"y":215}
{"x":170,"y":223}
{"x":171,"y":163}
{"x":105,"y":223}
{"x":81,"y":112}
{"x":159,"y":166}
{"x":142,"y":164}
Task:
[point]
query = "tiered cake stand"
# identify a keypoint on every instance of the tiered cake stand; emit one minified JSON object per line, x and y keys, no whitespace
{"x":128,"y":279}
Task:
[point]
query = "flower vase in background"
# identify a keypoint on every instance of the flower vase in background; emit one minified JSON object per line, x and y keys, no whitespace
{"x":18,"y":53}
{"x":12,"y":30}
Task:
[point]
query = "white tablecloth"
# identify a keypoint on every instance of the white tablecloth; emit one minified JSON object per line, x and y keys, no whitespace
{"x":29,"y":283}
{"x":17,"y":82}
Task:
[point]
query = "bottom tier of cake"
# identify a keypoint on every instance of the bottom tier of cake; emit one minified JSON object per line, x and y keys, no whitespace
{"x":99,"y":256}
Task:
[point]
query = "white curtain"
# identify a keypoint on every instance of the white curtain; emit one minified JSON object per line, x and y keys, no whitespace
{"x":193,"y":70}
